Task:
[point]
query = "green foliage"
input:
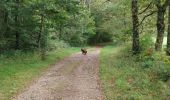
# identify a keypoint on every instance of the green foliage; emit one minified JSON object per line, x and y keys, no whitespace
{"x":146,"y":42}
{"x":56,"y":45}
{"x":34,"y":21}
{"x":124,"y":78}
{"x":162,"y":68}
{"x":147,"y":62}
{"x":164,"y":73}
{"x":146,"y":55}
{"x":112,"y":20}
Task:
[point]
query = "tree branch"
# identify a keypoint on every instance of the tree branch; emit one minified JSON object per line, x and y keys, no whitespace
{"x":146,"y":8}
{"x":153,"y":12}
{"x":106,"y":1}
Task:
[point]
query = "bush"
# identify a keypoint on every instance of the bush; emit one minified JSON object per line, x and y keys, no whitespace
{"x":162,"y":67}
{"x":146,"y":57}
{"x":124,"y":79}
{"x":146,"y":42}
{"x":54,"y":44}
{"x":164,"y":74}
{"x":77,"y":41}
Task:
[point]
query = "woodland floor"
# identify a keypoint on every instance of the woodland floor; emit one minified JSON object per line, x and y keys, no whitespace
{"x":74,"y":78}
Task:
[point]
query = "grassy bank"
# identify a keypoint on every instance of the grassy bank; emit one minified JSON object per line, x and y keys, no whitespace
{"x":125,"y":77}
{"x":17,"y":71}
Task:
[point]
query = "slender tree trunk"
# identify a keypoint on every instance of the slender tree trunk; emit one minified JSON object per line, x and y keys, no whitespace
{"x":1,"y":27}
{"x":6,"y":21}
{"x":17,"y":35}
{"x":60,"y":31}
{"x":39,"y":38}
{"x":124,"y":20}
{"x":160,"y":28}
{"x":89,"y":4}
{"x":135,"y":20}
{"x":42,"y":39}
{"x":168,"y":37}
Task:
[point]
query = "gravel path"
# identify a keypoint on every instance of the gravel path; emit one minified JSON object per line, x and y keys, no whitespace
{"x":74,"y":78}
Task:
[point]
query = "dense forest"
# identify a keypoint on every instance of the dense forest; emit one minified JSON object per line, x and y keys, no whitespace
{"x":52,"y":29}
{"x":38,"y":24}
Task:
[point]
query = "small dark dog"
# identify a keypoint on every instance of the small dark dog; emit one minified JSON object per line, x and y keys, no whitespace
{"x":84,"y":51}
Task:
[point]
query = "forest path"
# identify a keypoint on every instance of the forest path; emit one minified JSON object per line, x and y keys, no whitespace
{"x":74,"y":78}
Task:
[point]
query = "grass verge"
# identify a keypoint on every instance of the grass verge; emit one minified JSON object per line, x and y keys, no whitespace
{"x":16,"y":72}
{"x":124,"y":78}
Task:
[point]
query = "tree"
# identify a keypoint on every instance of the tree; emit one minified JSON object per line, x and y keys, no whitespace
{"x":168,"y":37}
{"x":160,"y":23}
{"x":17,"y":34}
{"x":21,"y":23}
{"x":135,"y":44}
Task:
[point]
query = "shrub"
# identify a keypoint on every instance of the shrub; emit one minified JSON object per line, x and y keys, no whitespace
{"x":146,"y":57}
{"x":146,"y":42}
{"x":54,"y":44}
{"x":162,"y":67}
{"x":77,"y":41}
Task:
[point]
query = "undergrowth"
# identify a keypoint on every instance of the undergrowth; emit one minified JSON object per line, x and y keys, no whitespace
{"x":127,"y":77}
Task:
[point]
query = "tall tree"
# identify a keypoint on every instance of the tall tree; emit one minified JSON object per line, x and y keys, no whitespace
{"x":17,"y":34}
{"x":42,"y":39}
{"x":168,"y":37}
{"x":27,"y":24}
{"x":135,"y":20}
{"x":160,"y":23}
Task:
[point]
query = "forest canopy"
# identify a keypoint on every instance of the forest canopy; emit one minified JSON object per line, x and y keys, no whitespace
{"x":47,"y":24}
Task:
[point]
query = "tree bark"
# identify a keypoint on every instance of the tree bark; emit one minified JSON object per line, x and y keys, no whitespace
{"x":168,"y":37}
{"x":160,"y":24}
{"x":135,"y":20}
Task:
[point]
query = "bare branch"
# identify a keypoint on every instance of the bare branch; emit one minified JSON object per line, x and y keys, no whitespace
{"x":150,"y":4}
{"x":153,"y":12}
{"x":106,"y":1}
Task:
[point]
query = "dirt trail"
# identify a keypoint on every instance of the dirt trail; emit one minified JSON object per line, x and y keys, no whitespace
{"x":74,"y":78}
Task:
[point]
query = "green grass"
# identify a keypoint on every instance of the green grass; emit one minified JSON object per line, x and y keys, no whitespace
{"x":18,"y":71}
{"x":124,"y":78}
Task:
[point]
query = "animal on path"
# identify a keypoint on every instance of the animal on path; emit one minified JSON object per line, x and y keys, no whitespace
{"x":84,"y":51}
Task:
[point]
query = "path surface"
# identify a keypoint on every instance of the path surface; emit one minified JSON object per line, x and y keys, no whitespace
{"x":74,"y":78}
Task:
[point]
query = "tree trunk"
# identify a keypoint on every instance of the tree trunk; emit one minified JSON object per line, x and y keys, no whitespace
{"x":39,"y":38}
{"x":60,"y":31}
{"x":160,"y":28}
{"x":42,"y":39}
{"x":168,"y":37}
{"x":17,"y":35}
{"x":7,"y":28}
{"x":88,"y":4}
{"x":160,"y":24}
{"x":124,"y":20}
{"x":135,"y":20}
